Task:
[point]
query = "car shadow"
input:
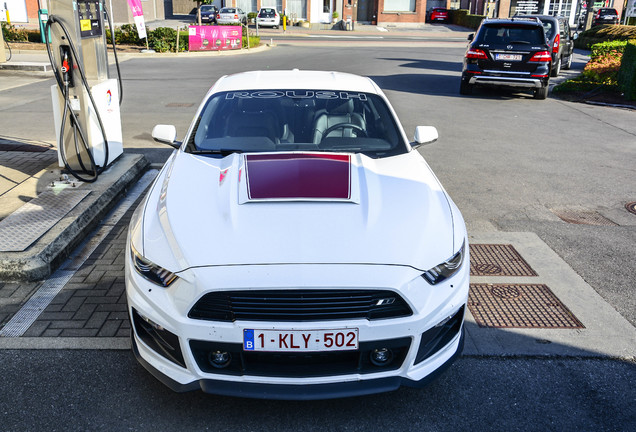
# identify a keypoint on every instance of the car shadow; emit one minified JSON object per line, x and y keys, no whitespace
{"x":455,"y":66}
{"x":441,"y":85}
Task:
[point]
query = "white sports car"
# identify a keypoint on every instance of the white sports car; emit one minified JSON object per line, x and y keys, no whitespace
{"x":295,"y":246}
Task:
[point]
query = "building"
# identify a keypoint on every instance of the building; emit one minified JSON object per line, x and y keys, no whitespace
{"x":381,"y":12}
{"x":27,"y":11}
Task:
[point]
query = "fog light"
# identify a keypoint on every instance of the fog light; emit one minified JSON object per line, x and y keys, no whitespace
{"x":381,"y":356}
{"x":220,"y":359}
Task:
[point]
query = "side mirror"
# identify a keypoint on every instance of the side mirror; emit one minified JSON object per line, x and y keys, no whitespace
{"x":471,"y":37}
{"x":166,"y":134}
{"x":576,"y":36}
{"x":424,"y":135}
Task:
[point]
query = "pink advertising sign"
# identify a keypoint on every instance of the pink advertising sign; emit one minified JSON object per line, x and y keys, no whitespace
{"x":138,"y":16}
{"x":215,"y":38}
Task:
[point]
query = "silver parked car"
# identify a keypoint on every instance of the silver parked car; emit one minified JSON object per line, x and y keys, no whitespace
{"x":231,"y":15}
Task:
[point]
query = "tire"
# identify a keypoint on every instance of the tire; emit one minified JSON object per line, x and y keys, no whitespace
{"x":541,"y":93}
{"x":568,"y":64}
{"x":557,"y":69}
{"x":465,"y":88}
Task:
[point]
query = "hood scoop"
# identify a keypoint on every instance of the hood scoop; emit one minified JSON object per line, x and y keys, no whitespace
{"x":298,"y":177}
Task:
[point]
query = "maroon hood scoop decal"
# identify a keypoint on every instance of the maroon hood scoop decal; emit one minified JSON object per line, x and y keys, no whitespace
{"x":298,"y":176}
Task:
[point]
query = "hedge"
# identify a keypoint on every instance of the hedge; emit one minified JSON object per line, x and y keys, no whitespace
{"x":613,"y":48}
{"x":605,"y":33}
{"x":463,"y":18}
{"x":627,"y":72}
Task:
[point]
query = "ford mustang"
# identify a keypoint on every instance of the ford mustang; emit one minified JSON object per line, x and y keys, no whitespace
{"x":295,"y":245}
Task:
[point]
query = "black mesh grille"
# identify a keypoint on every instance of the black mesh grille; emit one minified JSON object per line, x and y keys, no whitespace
{"x":299,"y":305}
{"x":307,"y":364}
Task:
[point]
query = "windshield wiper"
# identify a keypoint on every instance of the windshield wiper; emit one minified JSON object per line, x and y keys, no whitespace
{"x":520,"y":42}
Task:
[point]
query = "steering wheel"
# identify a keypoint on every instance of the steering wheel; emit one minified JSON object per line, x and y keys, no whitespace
{"x":343,"y":126}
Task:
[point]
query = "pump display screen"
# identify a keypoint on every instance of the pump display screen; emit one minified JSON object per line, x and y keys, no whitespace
{"x":90,"y":19}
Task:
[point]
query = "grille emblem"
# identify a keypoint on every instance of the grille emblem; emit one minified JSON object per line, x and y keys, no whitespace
{"x":385,"y":301}
{"x":509,"y":47}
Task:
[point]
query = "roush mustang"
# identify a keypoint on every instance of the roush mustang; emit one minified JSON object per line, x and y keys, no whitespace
{"x":296,"y":246}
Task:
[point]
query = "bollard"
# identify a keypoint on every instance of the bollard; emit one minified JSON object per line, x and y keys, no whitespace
{"x":284,"y":23}
{"x":3,"y":54}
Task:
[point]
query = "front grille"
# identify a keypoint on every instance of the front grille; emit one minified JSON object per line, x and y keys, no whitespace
{"x":299,"y":365}
{"x":299,"y":305}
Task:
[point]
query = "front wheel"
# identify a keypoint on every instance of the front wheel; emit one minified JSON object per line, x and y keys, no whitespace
{"x":465,"y":88}
{"x":541,"y":93}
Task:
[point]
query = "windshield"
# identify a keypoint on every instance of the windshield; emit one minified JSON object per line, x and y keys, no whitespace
{"x":267,"y":12}
{"x":228,"y":10}
{"x":499,"y":34}
{"x":207,"y":8}
{"x":296,"y":120}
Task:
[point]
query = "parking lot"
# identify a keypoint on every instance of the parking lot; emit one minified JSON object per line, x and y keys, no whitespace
{"x":548,"y":178}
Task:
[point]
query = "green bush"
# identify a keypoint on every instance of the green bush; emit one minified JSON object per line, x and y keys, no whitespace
{"x":251,"y":15}
{"x":463,"y":18}
{"x":12,"y":33}
{"x":627,"y":72}
{"x":164,"y":39}
{"x":605,"y":33}
{"x":611,"y":48}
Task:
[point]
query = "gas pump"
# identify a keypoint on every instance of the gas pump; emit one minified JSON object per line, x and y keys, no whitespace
{"x":85,"y":100}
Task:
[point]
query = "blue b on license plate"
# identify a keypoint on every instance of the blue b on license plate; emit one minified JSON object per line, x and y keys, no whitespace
{"x":300,"y":341}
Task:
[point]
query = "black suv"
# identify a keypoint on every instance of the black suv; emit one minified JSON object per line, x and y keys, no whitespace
{"x":508,"y":53}
{"x":557,"y":32}
{"x":605,"y":16}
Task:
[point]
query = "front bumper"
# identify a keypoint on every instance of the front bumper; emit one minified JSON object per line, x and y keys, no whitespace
{"x":296,"y":392}
{"x":176,"y":348}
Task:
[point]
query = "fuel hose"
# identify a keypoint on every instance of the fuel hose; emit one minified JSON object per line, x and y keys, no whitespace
{"x":88,"y":170}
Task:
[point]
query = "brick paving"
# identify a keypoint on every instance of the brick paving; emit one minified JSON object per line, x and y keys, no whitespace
{"x":93,"y":302}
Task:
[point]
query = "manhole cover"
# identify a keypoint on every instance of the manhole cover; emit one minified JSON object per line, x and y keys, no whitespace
{"x":497,"y":260}
{"x":583,"y":217}
{"x":519,"y":306}
{"x":631,"y":207}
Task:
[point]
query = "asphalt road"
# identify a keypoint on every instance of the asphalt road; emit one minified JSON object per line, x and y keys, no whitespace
{"x":506,"y":159}
{"x":109,"y":391}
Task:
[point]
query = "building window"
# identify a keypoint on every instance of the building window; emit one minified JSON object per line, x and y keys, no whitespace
{"x":399,"y":5}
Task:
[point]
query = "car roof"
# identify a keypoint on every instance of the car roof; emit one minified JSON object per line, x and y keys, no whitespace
{"x":296,"y":79}
{"x":514,"y":20}
{"x":543,"y":17}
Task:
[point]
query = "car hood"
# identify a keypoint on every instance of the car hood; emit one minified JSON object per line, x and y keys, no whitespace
{"x":271,"y":209}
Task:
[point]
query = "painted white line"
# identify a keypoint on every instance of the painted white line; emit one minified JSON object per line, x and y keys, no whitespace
{"x":344,"y":37}
{"x":34,"y":307}
{"x":92,"y":343}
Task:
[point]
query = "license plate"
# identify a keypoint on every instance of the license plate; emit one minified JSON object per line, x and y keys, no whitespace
{"x":300,"y":341}
{"x":508,"y":57}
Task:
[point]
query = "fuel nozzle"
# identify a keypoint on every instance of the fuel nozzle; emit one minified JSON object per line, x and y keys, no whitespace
{"x":67,"y":65}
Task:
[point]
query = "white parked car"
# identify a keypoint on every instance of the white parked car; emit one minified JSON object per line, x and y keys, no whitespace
{"x":268,"y":17}
{"x":296,"y":246}
{"x":231,"y":15}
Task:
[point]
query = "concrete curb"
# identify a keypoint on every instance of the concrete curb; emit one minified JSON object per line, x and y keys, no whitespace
{"x":40,"y":259}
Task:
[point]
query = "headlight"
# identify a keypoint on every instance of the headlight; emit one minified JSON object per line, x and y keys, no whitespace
{"x":151,"y":271}
{"x":446,"y":269}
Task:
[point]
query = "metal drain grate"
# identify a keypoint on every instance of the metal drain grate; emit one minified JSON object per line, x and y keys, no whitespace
{"x":519,"y":306}
{"x":583,"y":217}
{"x":631,"y":207}
{"x":497,"y":260}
